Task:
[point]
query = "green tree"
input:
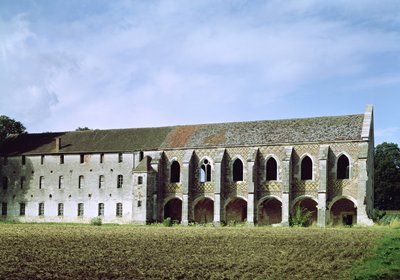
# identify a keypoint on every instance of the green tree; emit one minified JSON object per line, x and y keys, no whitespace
{"x":82,"y":128}
{"x":10,"y":126}
{"x":387,"y":176}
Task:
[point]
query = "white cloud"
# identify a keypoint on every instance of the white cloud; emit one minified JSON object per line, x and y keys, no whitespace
{"x":172,"y":62}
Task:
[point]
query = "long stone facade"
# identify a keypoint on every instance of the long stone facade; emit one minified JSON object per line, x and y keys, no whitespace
{"x":254,"y":172}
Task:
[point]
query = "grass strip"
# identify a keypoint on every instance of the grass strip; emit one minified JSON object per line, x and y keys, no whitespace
{"x":384,"y":263}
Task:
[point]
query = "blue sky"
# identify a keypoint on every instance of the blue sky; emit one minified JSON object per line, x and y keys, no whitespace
{"x":117,"y":64}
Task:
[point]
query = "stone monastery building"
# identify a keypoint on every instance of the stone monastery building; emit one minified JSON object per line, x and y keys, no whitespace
{"x":256,"y":172}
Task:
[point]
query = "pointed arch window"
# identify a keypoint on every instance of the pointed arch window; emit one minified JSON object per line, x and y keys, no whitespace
{"x":237,"y":170}
{"x":175,"y":172}
{"x":343,"y":168}
{"x":272,"y":170}
{"x":306,"y":168}
{"x":205,"y":171}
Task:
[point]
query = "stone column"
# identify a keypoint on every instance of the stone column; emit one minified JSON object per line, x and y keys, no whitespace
{"x":251,"y":183}
{"x":286,"y":185}
{"x":185,"y":186}
{"x":363,"y":182}
{"x":218,"y":183}
{"x":323,"y":180}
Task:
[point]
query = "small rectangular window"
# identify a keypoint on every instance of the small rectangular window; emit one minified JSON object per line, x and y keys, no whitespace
{"x":22,"y":209}
{"x":42,"y":159}
{"x":41,"y":182}
{"x":60,"y":182}
{"x":119,"y":210}
{"x":139,"y":203}
{"x":80,"y":210}
{"x":140,"y":180}
{"x":120,"y":157}
{"x":4,"y":209}
{"x":81,"y":181}
{"x":23,"y":160}
{"x":101,"y":209}
{"x":101,"y":181}
{"x":41,"y":209}
{"x":101,"y":158}
{"x":120,"y":181}
{"x":60,"y":210}
{"x":61,"y":159}
{"x":82,"y":158}
{"x":22,"y":182}
{"x":5,"y":183}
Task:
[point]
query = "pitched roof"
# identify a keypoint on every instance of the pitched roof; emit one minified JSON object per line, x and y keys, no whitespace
{"x":320,"y":129}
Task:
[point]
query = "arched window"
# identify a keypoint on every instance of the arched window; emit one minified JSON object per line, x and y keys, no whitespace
{"x":306,"y":168}
{"x":272,"y":169}
{"x":205,"y":171}
{"x":81,"y":181}
{"x":175,"y":172}
{"x":343,"y":167}
{"x":237,"y":170}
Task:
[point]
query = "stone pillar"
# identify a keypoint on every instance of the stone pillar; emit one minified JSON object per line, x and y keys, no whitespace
{"x":218,"y":183}
{"x":185,"y":186}
{"x":363,"y":182}
{"x":286,"y":185}
{"x":323,"y":180}
{"x":251,"y":183}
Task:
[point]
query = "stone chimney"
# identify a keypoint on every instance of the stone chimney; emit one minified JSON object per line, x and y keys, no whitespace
{"x":58,"y":144}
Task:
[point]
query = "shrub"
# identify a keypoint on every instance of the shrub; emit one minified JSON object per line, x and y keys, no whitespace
{"x":96,"y":221}
{"x":377,"y":215}
{"x":167,"y":222}
{"x":300,"y":217}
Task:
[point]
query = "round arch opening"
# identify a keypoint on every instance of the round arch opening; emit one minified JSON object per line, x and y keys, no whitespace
{"x":204,"y":211}
{"x":236,"y":211}
{"x":309,"y":205}
{"x":270,"y":212}
{"x":343,"y":212}
{"x":173,"y":210}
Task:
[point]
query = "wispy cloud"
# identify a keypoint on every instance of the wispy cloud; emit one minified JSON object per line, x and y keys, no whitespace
{"x":125,"y":63}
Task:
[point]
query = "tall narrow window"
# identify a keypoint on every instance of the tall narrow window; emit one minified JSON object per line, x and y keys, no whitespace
{"x":81,"y":182}
{"x":61,"y":159}
{"x":5,"y":183}
{"x":22,"y":209}
{"x":101,"y":158}
{"x":119,"y":210}
{"x":82,"y":158}
{"x":237,"y":170}
{"x":23,"y":160}
{"x":140,"y":180}
{"x":120,"y":181}
{"x":306,"y":168}
{"x":205,"y":171}
{"x":101,"y":209}
{"x":60,"y":210}
{"x":22,"y":182}
{"x":343,"y":168}
{"x":41,"y":182}
{"x":42,"y":159}
{"x":60,"y":182}
{"x":140,"y":156}
{"x":4,"y":209}
{"x":120,"y":158}
{"x":272,"y":169}
{"x":175,"y":172}
{"x":80,"y":210}
{"x":41,"y":209}
{"x":101,"y":181}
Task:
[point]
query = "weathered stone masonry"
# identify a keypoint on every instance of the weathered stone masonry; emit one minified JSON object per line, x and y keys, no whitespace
{"x":256,"y":172}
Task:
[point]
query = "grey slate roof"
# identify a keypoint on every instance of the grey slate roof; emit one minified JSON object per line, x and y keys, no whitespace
{"x":320,"y":129}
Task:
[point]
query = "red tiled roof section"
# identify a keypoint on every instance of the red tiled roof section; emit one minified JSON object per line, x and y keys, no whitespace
{"x":180,"y":136}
